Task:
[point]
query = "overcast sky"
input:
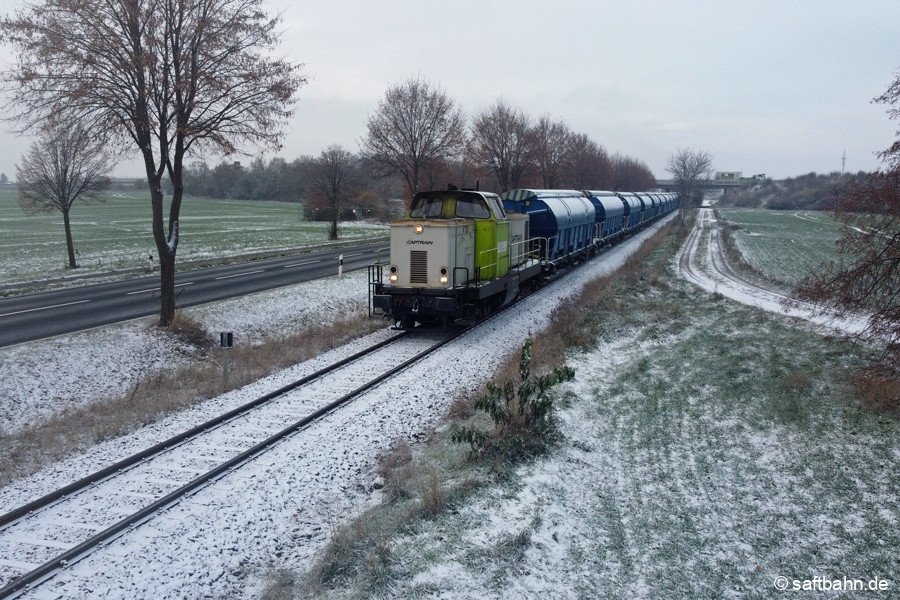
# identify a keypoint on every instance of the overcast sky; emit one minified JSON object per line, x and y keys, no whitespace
{"x":779,"y":87}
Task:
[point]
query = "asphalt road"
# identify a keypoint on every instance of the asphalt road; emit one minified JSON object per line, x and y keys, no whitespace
{"x":37,"y":316}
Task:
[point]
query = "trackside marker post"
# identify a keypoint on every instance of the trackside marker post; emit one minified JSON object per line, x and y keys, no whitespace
{"x":340,"y":266}
{"x":226,"y":342}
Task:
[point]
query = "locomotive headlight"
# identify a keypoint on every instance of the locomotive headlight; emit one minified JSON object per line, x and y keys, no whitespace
{"x":419,"y":228}
{"x":393,"y":276}
{"x":444,"y":276}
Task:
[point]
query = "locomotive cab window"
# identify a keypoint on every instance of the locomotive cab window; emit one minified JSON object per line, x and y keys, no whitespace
{"x":472,"y":207}
{"x":499,"y":211}
{"x":427,"y":207}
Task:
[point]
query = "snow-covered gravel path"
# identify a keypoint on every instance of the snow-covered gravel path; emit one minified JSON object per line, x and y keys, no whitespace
{"x":701,"y":261}
{"x":282,"y":507}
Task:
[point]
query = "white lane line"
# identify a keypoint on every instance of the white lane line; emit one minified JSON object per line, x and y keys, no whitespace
{"x":240,"y":274}
{"x":300,"y":264}
{"x":156,"y":289}
{"x":356,"y":254}
{"x":22,"y":312}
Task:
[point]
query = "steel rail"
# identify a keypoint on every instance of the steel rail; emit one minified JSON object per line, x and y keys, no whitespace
{"x":126,"y":463}
{"x":47,"y":569}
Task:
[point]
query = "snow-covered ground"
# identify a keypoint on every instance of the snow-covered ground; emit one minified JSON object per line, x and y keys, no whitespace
{"x":282,"y":508}
{"x":701,"y":261}
{"x":705,"y":455}
{"x":49,"y":376}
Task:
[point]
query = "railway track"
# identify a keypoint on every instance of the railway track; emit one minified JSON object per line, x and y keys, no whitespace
{"x":47,"y":534}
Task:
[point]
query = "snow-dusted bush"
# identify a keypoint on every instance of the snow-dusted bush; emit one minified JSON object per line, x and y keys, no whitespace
{"x":522,"y":415}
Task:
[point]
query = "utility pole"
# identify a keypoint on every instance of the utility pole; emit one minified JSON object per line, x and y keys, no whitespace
{"x":843,"y":161}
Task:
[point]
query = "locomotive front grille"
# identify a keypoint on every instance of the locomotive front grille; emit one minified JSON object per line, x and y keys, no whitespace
{"x":418,"y":266}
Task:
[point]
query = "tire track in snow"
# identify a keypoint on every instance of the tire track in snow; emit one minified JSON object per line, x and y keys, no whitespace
{"x":710,"y":271}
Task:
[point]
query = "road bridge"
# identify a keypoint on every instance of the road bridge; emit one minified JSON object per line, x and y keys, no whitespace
{"x":671,"y":185}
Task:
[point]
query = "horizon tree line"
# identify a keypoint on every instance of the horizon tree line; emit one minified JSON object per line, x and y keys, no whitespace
{"x":418,"y":138}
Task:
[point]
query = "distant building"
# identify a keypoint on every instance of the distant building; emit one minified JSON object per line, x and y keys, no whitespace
{"x":127,"y":183}
{"x":728,"y":176}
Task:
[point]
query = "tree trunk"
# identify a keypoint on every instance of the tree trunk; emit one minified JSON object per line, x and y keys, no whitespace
{"x":166,"y":288}
{"x":70,"y":245}
{"x":166,"y":262}
{"x":166,"y":256}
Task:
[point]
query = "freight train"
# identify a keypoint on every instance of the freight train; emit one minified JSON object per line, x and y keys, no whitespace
{"x":462,"y":254}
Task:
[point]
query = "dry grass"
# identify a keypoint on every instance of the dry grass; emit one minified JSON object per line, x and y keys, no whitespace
{"x":462,"y":407}
{"x":361,"y":549}
{"x":189,"y":330}
{"x":162,"y":393}
{"x":431,"y":494}
{"x":878,"y":388}
{"x":579,"y":321}
{"x":396,"y":470}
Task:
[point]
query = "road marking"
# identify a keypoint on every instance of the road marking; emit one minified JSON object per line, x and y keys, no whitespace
{"x":22,"y":312}
{"x":309,"y":262}
{"x":156,"y":289}
{"x":241,"y":274}
{"x":357,"y":254}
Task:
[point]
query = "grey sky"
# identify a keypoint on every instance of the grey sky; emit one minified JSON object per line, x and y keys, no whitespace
{"x":781,"y":87}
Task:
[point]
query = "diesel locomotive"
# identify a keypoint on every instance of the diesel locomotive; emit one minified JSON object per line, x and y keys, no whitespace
{"x":462,"y":254}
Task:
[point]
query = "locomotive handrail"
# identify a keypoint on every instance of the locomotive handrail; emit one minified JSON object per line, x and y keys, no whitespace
{"x":495,"y":264}
{"x":376,"y":278}
{"x":533,"y":251}
{"x":465,"y":282}
{"x":517,"y":255}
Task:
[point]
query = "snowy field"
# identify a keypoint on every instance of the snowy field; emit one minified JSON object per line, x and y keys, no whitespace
{"x":701,"y":261}
{"x":115,"y":235}
{"x":220,"y":542}
{"x":709,"y":481}
{"x":785,"y":245}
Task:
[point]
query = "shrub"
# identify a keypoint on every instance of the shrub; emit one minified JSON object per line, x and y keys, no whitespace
{"x":189,"y":330}
{"x":522,"y":415}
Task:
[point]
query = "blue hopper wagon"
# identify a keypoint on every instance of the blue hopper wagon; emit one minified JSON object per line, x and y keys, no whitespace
{"x":610,"y":214}
{"x":563,"y":220}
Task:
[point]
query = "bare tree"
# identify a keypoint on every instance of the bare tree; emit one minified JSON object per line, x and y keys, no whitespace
{"x":165,"y":77}
{"x":414,"y":126}
{"x":587,"y":165}
{"x":332,"y":174}
{"x":687,"y":168}
{"x":551,"y":142}
{"x":867,"y":277}
{"x":64,"y":165}
{"x":631,"y":175}
{"x":502,"y":144}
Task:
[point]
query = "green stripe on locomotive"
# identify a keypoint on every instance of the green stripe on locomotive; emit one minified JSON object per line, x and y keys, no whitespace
{"x":491,"y":224}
